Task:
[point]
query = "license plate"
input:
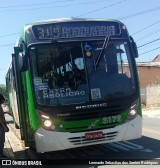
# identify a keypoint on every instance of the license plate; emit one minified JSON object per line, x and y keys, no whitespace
{"x":94,"y":135}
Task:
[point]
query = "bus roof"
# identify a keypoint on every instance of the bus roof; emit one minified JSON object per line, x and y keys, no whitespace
{"x":57,"y":20}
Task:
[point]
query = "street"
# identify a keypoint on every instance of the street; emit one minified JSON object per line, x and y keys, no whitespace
{"x":146,"y":148}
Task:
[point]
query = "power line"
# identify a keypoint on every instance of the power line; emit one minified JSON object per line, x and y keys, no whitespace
{"x":13,"y":6}
{"x":101,"y":8}
{"x":122,"y":18}
{"x":136,"y":14}
{"x":149,"y":43}
{"x":8,"y":35}
{"x":91,"y":2}
{"x":148,"y":35}
{"x":140,"y":13}
{"x":63,"y":6}
{"x":32,"y":9}
{"x":6,"y":45}
{"x":37,"y":8}
{"x":146,"y":27}
{"x":149,"y":51}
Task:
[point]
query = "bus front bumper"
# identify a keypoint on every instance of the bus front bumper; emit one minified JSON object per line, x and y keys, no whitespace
{"x":53,"y":141}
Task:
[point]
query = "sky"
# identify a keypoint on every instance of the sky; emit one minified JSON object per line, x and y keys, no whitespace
{"x":141,"y":18}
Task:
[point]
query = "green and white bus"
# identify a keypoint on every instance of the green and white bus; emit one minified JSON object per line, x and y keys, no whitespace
{"x":73,"y":83}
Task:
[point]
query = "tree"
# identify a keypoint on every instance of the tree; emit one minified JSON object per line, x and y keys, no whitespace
{"x":3,"y":90}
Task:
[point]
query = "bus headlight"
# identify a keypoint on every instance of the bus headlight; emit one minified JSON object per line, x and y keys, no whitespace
{"x":47,"y":123}
{"x":133,"y":111}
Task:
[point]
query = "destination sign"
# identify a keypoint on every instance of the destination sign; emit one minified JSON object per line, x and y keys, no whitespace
{"x":76,"y":29}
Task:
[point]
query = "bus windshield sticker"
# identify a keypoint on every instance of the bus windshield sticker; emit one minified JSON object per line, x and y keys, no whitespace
{"x":88,"y":49}
{"x":96,"y":93}
{"x":37,"y":80}
{"x":41,"y":86}
{"x":62,"y":93}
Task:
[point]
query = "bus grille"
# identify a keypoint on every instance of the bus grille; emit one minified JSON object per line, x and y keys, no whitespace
{"x":81,"y":140}
{"x":93,"y":113}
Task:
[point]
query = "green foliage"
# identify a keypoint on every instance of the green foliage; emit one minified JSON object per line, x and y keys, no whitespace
{"x":3,"y":90}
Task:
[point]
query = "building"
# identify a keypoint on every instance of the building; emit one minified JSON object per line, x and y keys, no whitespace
{"x":149,"y":73}
{"x":149,"y":76}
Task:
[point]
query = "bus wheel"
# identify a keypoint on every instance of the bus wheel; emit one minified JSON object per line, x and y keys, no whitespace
{"x":32,"y":148}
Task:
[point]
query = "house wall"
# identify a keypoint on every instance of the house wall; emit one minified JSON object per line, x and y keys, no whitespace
{"x":148,"y":75}
{"x":153,"y":95}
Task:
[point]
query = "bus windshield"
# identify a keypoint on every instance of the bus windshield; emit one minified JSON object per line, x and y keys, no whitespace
{"x":67,"y":73}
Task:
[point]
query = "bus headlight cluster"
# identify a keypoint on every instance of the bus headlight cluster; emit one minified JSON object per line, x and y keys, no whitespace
{"x":133,"y":111}
{"x":47,"y":123}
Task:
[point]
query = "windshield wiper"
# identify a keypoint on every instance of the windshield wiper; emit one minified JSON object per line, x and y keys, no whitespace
{"x":105,"y":44}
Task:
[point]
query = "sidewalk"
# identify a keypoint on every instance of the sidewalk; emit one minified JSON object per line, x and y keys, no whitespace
{"x":8,"y":151}
{"x":151,"y":112}
{"x":14,"y":147}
